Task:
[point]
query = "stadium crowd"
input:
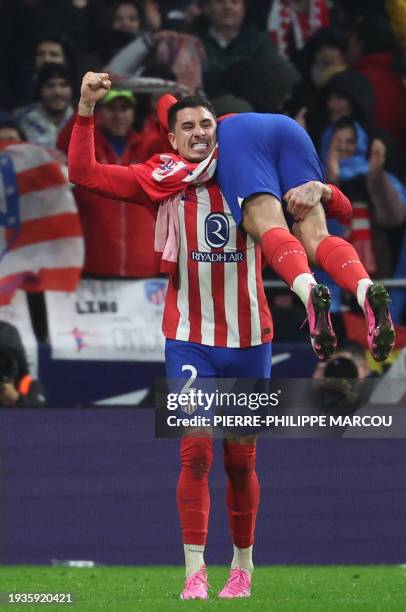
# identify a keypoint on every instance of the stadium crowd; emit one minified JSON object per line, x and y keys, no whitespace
{"x":338,"y":67}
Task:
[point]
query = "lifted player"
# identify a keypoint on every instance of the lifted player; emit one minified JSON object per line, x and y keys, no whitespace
{"x":261,"y":158}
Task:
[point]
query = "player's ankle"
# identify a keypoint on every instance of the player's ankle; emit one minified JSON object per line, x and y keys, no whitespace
{"x":242,"y":558}
{"x":362,"y":288}
{"x":194,"y":559}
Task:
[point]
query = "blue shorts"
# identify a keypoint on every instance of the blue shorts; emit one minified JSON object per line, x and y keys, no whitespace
{"x":196,"y":366}
{"x":216,"y":361}
{"x":263,"y":153}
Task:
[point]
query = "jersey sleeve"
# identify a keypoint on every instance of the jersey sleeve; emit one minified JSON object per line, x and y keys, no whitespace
{"x":339,"y":206}
{"x":298,"y":161}
{"x":160,"y":177}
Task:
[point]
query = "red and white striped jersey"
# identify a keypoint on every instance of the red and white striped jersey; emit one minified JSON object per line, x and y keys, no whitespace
{"x":217,"y":296}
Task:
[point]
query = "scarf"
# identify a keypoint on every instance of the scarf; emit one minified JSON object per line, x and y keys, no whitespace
{"x":168,"y":174}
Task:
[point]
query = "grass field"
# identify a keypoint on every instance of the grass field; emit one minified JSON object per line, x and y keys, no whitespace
{"x":290,"y":588}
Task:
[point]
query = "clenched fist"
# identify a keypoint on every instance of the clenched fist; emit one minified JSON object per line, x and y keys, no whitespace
{"x":95,"y":85}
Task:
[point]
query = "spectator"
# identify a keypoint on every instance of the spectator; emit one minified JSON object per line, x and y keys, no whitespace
{"x":346,"y":94}
{"x":321,"y":59}
{"x":116,"y":117}
{"x":49,"y":48}
{"x":231,"y":42}
{"x":42,"y":121}
{"x":342,"y":385}
{"x":17,"y":387}
{"x":372,"y":51}
{"x":10,"y":131}
{"x":119,"y":237}
{"x":324,"y":54}
{"x":76,"y":21}
{"x":379,"y":199}
{"x":126,"y":21}
{"x":127,"y":17}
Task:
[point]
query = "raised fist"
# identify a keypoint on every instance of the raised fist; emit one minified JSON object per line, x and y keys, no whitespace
{"x":95,"y":85}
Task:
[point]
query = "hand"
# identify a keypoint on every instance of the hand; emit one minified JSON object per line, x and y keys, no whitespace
{"x":377,"y":156}
{"x":95,"y":85}
{"x":8,"y":394}
{"x":301,"y":200}
{"x":153,"y":19}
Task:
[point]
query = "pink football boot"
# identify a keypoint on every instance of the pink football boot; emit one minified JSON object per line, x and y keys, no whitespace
{"x":381,"y":333}
{"x":237,"y":585}
{"x":322,"y":334}
{"x":196,"y":586}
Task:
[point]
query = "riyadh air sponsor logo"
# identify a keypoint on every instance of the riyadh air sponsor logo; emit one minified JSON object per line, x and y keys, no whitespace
{"x":217,"y":230}
{"x":204,"y":257}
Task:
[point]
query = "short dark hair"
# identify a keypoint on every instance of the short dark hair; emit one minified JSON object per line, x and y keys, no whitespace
{"x":188,"y":102}
{"x":136,"y":4}
{"x":10,"y":122}
{"x":52,"y":70}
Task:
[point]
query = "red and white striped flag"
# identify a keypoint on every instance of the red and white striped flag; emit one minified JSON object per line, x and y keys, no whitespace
{"x":41,"y":242}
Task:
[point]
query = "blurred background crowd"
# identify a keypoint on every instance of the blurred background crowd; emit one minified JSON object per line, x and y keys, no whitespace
{"x":337,"y":67}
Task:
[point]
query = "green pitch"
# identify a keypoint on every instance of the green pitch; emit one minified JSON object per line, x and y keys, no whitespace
{"x":286,"y":588}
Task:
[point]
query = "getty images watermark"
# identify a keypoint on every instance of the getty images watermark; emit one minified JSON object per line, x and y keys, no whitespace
{"x":278,"y":407}
{"x":196,"y":400}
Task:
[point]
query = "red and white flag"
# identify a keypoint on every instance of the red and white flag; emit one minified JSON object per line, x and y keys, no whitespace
{"x":41,"y":241}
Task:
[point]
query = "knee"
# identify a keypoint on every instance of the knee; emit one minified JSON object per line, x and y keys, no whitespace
{"x":310,"y":245}
{"x":196,"y":454}
{"x":311,"y":250}
{"x":261,"y":213}
{"x":310,"y":239}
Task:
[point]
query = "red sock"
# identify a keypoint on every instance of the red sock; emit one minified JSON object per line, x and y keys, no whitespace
{"x":242,"y":491}
{"x":339,"y":258}
{"x":285,"y":254}
{"x":196,"y":454}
